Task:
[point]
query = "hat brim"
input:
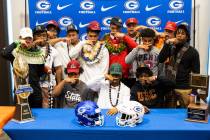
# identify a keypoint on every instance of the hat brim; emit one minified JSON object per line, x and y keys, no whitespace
{"x":27,"y":35}
{"x":171,"y":29}
{"x":72,"y":71}
{"x":117,"y":24}
{"x":115,"y":73}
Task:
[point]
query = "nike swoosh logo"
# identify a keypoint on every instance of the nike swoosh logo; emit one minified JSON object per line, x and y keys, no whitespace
{"x":62,"y":7}
{"x":177,"y":22}
{"x":37,"y":23}
{"x":83,"y":25}
{"x":151,"y":8}
{"x":103,"y":9}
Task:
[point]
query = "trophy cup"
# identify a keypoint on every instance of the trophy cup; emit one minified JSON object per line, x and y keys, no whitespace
{"x":23,"y":90}
{"x":197,"y":111}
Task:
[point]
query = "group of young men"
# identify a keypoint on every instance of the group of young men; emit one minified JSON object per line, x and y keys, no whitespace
{"x":141,"y":65}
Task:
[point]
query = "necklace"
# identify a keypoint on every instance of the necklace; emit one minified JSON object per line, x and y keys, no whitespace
{"x":114,"y":48}
{"x":110,"y":98}
{"x":90,"y":53}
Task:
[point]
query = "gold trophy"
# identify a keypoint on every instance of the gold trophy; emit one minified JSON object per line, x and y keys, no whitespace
{"x":197,"y":111}
{"x":23,"y":90}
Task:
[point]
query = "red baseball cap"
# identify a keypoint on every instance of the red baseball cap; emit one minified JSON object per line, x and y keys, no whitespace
{"x":54,"y":23}
{"x":73,"y":67}
{"x":171,"y":26}
{"x":132,"y":20}
{"x":94,"y":25}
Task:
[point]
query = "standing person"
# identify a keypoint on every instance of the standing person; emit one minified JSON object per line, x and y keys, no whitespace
{"x":146,"y":53}
{"x":168,"y":33}
{"x":131,"y":24}
{"x":52,"y":63}
{"x":34,"y":56}
{"x":71,"y":90}
{"x":64,"y":47}
{"x":53,"y":29}
{"x":110,"y":90}
{"x":118,"y":45}
{"x":183,"y":59}
{"x":92,"y":54}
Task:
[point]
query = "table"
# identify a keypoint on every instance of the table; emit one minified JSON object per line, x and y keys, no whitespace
{"x":60,"y":124}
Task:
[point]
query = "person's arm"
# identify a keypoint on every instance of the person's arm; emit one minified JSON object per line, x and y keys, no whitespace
{"x":196,"y":63}
{"x":58,"y":89}
{"x":75,"y":51}
{"x":131,"y":56}
{"x":133,"y":93}
{"x":130,"y":42}
{"x":58,"y":67}
{"x":52,"y":42}
{"x":58,"y":71}
{"x":164,"y":53}
{"x":6,"y":52}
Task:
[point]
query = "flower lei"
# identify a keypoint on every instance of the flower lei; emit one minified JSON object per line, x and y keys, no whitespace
{"x":90,"y":54}
{"x":114,"y":48}
{"x":31,"y":57}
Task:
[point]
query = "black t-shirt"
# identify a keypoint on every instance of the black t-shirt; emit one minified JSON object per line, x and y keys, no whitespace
{"x":145,"y":94}
{"x":151,"y":95}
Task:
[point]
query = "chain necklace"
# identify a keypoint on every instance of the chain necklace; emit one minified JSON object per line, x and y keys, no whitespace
{"x":110,"y":98}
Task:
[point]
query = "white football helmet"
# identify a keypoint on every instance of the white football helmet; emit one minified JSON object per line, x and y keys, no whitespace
{"x":130,"y":114}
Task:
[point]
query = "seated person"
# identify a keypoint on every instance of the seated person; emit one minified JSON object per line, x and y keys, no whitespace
{"x":71,"y":90}
{"x":110,"y":90}
{"x":148,"y":90}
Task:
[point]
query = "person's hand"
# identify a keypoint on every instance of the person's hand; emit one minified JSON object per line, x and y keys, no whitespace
{"x":47,"y":70}
{"x":112,"y":111}
{"x":71,"y":80}
{"x":109,"y":77}
{"x":152,"y":78}
{"x":172,"y":41}
{"x":145,"y":47}
{"x":38,"y":42}
{"x":146,"y":110}
{"x":119,"y":35}
{"x":67,"y":40}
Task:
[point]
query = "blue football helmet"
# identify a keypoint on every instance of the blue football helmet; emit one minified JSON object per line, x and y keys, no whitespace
{"x":89,"y":114}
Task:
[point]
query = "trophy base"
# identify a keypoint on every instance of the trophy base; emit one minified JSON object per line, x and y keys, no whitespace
{"x":23,"y":113}
{"x":197,"y":113}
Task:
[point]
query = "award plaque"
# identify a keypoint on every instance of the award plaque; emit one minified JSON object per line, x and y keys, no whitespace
{"x":201,"y":82}
{"x":23,"y":111}
{"x":23,"y":90}
{"x":197,"y":111}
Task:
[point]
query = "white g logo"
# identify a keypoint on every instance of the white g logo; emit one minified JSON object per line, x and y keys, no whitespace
{"x":43,"y":5}
{"x":131,"y":5}
{"x":106,"y":21}
{"x":153,"y":21}
{"x":65,"y":21}
{"x":87,"y":5}
{"x":176,"y":4}
{"x":83,"y":36}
